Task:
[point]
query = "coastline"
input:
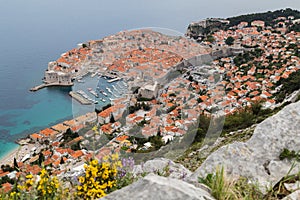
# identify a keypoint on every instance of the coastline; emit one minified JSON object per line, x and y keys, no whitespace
{"x":9,"y":157}
{"x":19,"y":152}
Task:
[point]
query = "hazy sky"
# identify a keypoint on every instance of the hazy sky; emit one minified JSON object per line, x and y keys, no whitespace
{"x":77,"y":20}
{"x":125,"y":14}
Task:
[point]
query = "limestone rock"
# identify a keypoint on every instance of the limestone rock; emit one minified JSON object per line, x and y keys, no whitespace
{"x":160,"y":188}
{"x":292,"y":186}
{"x":294,"y":196}
{"x":258,"y":158}
{"x":161,"y":165}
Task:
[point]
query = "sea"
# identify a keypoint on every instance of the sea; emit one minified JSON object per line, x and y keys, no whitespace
{"x":34,"y":32}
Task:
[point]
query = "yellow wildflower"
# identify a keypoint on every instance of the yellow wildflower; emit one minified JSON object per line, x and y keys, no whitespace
{"x":94,"y":162}
{"x":29,"y":176}
{"x":81,"y":179}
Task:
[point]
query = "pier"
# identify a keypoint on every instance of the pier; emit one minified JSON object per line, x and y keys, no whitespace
{"x":80,"y":98}
{"x":36,"y":88}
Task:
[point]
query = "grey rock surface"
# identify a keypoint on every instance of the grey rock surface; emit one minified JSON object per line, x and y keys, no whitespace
{"x":292,"y":186}
{"x":160,"y":188}
{"x":294,"y":196}
{"x":258,"y":158}
{"x":161,"y":165}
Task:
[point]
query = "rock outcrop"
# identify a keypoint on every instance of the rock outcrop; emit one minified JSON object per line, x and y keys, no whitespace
{"x":163,"y":166}
{"x":258,"y":158}
{"x":198,"y":30}
{"x":293,"y":196}
{"x":160,"y":188}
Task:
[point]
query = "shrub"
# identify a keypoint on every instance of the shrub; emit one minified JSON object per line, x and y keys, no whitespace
{"x":100,"y":178}
{"x":41,"y":187}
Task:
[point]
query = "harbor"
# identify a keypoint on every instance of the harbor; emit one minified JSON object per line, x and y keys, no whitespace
{"x":99,"y":90}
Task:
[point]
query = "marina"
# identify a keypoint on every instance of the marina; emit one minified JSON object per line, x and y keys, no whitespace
{"x":97,"y":90}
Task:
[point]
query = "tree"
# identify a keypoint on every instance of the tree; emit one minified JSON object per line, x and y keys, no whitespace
{"x":41,"y":159}
{"x":62,"y":161}
{"x":229,"y":41}
{"x":16,"y":167}
{"x":158,"y":132}
{"x":210,"y":38}
{"x":112,"y":119}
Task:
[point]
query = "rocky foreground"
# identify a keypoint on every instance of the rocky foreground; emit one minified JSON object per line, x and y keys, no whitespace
{"x":256,"y":159}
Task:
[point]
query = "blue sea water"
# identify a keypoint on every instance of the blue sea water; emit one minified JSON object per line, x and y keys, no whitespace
{"x":34,"y":32}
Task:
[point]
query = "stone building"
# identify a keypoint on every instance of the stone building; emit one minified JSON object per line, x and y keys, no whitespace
{"x":149,"y":91}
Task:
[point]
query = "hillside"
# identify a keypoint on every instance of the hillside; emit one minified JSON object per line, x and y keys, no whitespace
{"x":268,"y":17}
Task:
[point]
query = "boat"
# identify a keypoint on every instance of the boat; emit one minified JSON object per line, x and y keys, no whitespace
{"x":109,"y":90}
{"x":94,"y":93}
{"x":94,"y":74}
{"x":105,"y":94}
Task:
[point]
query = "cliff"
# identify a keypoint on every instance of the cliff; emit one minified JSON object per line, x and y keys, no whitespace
{"x":258,"y":158}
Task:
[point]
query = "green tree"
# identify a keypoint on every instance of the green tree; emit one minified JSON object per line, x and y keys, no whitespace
{"x":229,"y":41}
{"x":112,"y":119}
{"x":210,"y":38}
{"x":16,"y":167}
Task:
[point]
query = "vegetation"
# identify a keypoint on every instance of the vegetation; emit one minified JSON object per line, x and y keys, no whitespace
{"x":31,"y":187}
{"x":289,"y":85}
{"x":287,"y":154}
{"x":155,"y":140}
{"x":100,"y":178}
{"x":268,"y":17}
{"x":6,"y":179}
{"x":242,"y":119}
{"x":247,"y":56}
{"x":294,"y":27}
{"x":210,"y":39}
{"x":68,"y":136}
{"x":7,"y":168}
{"x":279,"y":191}
{"x":229,"y":41}
{"x":222,"y":188}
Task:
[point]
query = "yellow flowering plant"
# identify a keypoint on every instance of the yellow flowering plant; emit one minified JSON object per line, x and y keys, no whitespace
{"x":42,"y":187}
{"x":47,"y":186}
{"x":100,"y":177}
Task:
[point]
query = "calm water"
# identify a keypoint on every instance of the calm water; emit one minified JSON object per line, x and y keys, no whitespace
{"x":35,"y":32}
